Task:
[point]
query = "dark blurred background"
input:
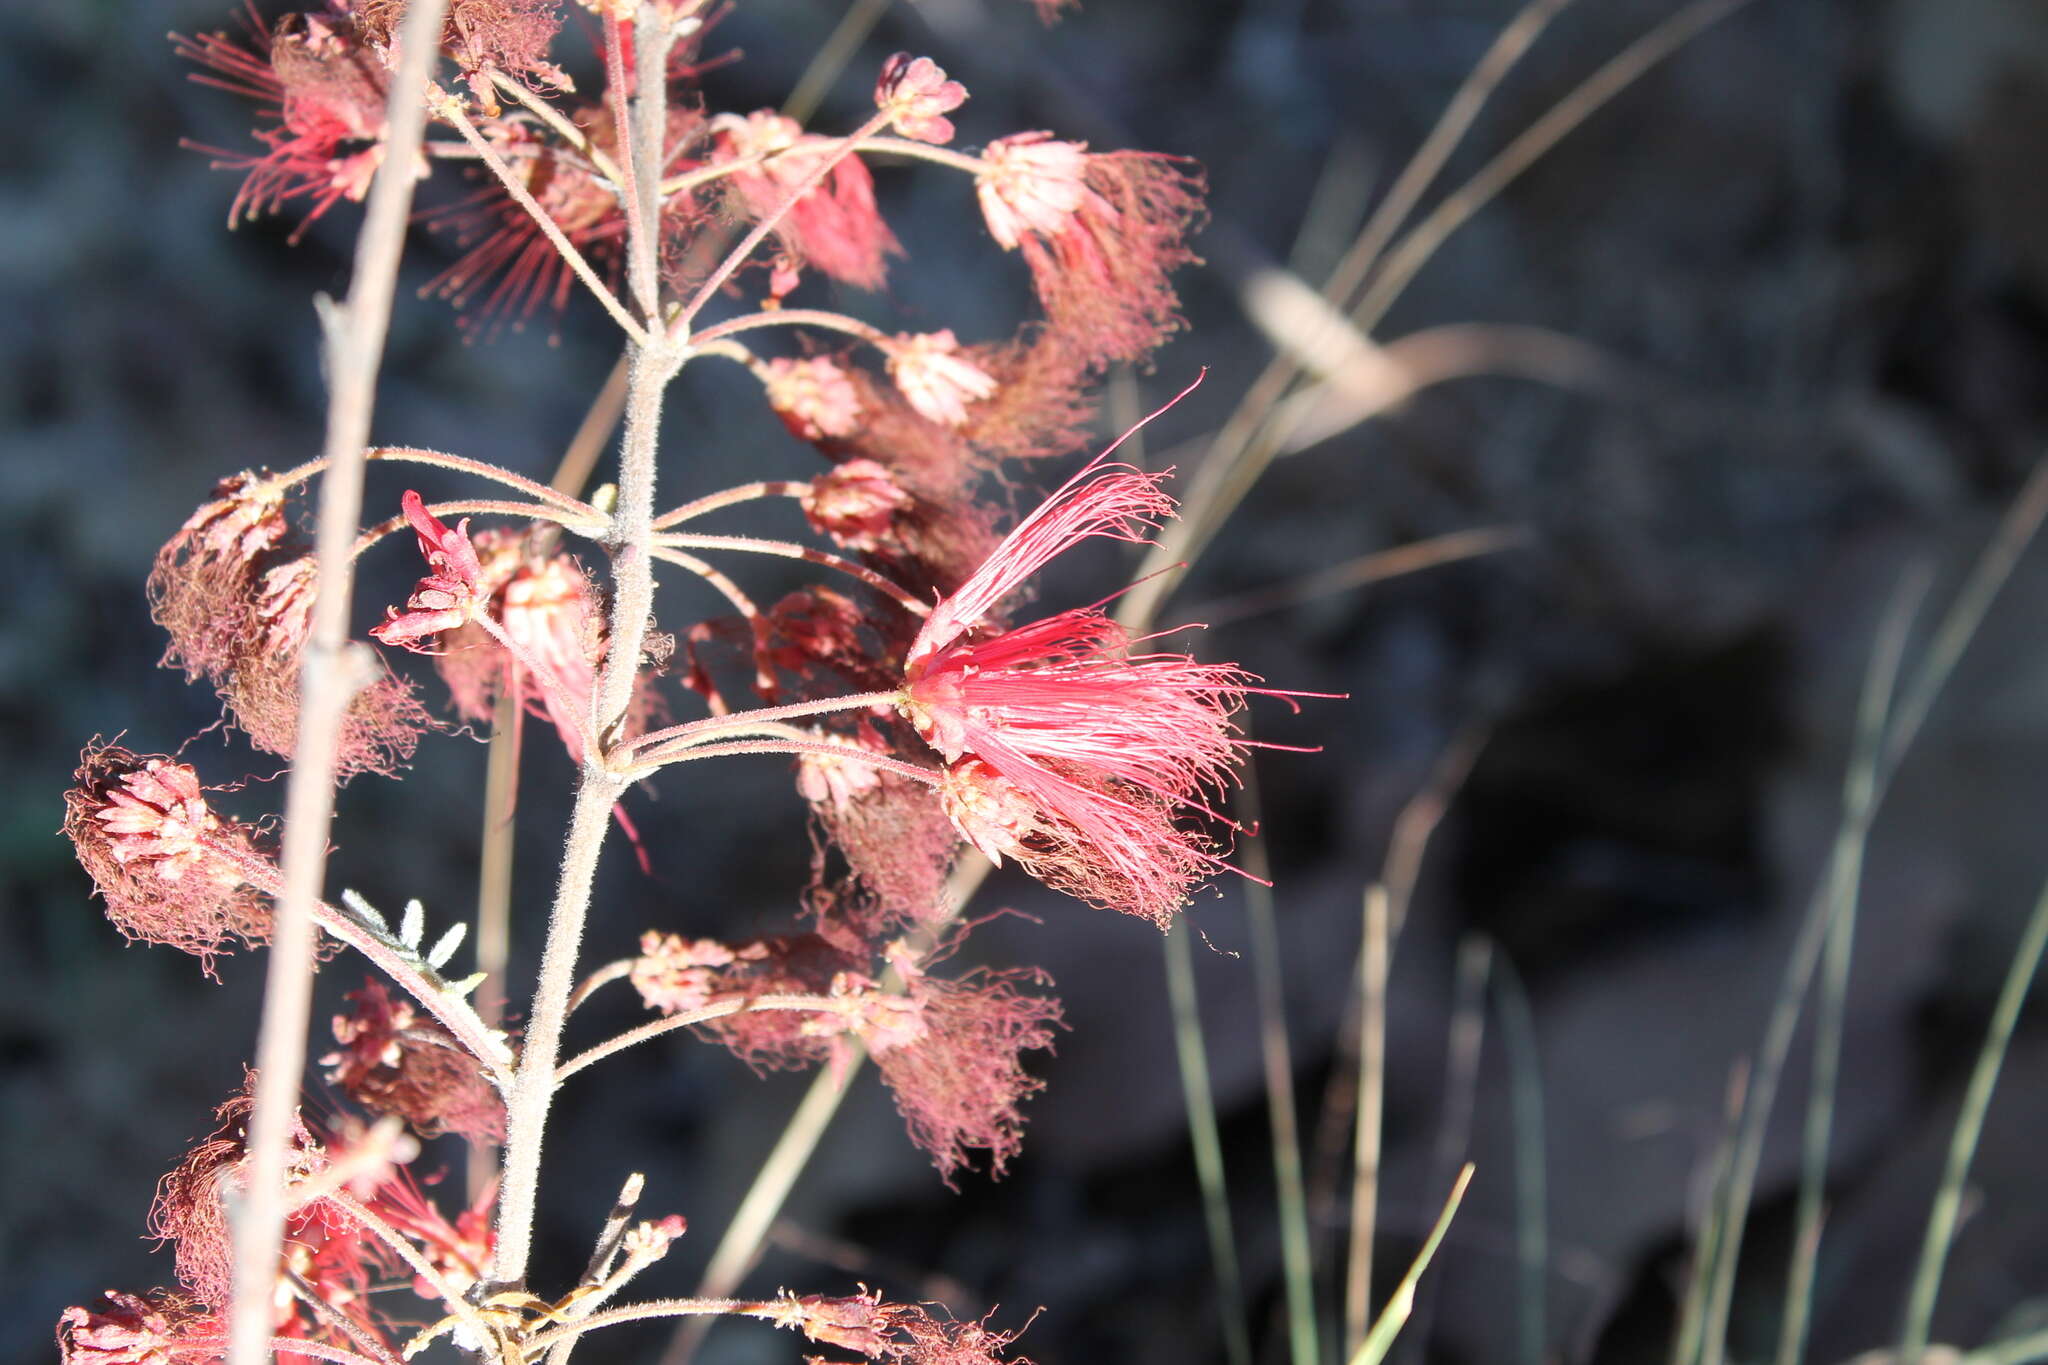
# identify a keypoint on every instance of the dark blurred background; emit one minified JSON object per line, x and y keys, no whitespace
{"x":1811,"y":248}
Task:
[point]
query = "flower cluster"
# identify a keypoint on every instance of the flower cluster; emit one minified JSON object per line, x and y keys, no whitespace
{"x":919,"y":714}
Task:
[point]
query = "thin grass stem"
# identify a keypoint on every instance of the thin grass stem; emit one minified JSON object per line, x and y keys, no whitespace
{"x":1845,"y":875}
{"x":1277,"y":1060}
{"x":1946,"y":1210}
{"x":1207,"y":1140}
{"x":1532,"y":1228}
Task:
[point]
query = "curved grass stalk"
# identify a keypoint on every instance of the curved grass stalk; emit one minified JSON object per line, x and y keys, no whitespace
{"x":1962,"y":1148}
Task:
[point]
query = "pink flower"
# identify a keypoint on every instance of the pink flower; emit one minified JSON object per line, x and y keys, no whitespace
{"x":938,"y":382}
{"x":1032,"y":183}
{"x":1101,"y":232}
{"x":1065,"y":749}
{"x":451,"y":595}
{"x":814,"y":397}
{"x":856,"y":504}
{"x":162,"y":860}
{"x":918,"y":97}
{"x":321,"y":85}
{"x":835,"y":226}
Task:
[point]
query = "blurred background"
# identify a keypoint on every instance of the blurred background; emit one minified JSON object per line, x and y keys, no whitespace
{"x":1757,"y":342}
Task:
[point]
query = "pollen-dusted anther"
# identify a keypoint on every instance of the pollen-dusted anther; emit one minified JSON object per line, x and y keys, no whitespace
{"x":856,"y":504}
{"x":392,"y":1060}
{"x":814,"y":397}
{"x":835,"y":225}
{"x":935,"y":378}
{"x":160,"y":857}
{"x":917,"y":96}
{"x":164,"y":1328}
{"x":1101,"y":232}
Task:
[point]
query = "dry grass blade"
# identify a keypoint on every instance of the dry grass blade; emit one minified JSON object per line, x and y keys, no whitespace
{"x":1387,"y":1326}
{"x":1420,"y":243}
{"x":1962,"y":1147}
{"x":1365,"y":1160}
{"x":1845,"y":874}
{"x":1366,"y":569}
{"x":1252,"y":438}
{"x":355,"y":334}
{"x":1692,"y":1308}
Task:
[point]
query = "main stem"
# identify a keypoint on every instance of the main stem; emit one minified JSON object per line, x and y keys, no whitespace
{"x":652,"y":362}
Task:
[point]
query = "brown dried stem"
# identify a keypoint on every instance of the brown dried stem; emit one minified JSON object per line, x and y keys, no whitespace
{"x":355,"y":344}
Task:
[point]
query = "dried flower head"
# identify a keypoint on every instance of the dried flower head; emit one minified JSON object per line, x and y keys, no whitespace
{"x":958,"y":1076}
{"x":1101,"y":232}
{"x":917,"y":96}
{"x":192,"y":1201}
{"x":935,"y":378}
{"x":897,"y":1333}
{"x":164,"y":1328}
{"x":856,"y":504}
{"x":814,"y":397}
{"x":894,"y":835}
{"x":676,"y":975}
{"x":393,"y":1060}
{"x":170,"y":870}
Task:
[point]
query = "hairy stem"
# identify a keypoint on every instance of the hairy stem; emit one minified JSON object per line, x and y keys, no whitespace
{"x":783,"y":549}
{"x":816,"y":1004}
{"x":405,"y":971}
{"x":652,"y":362}
{"x":575,"y":507}
{"x":542,"y":219}
{"x":716,"y":727}
{"x":746,"y":492}
{"x":793,"y":317}
{"x":355,"y":344}
{"x":770,"y":220}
